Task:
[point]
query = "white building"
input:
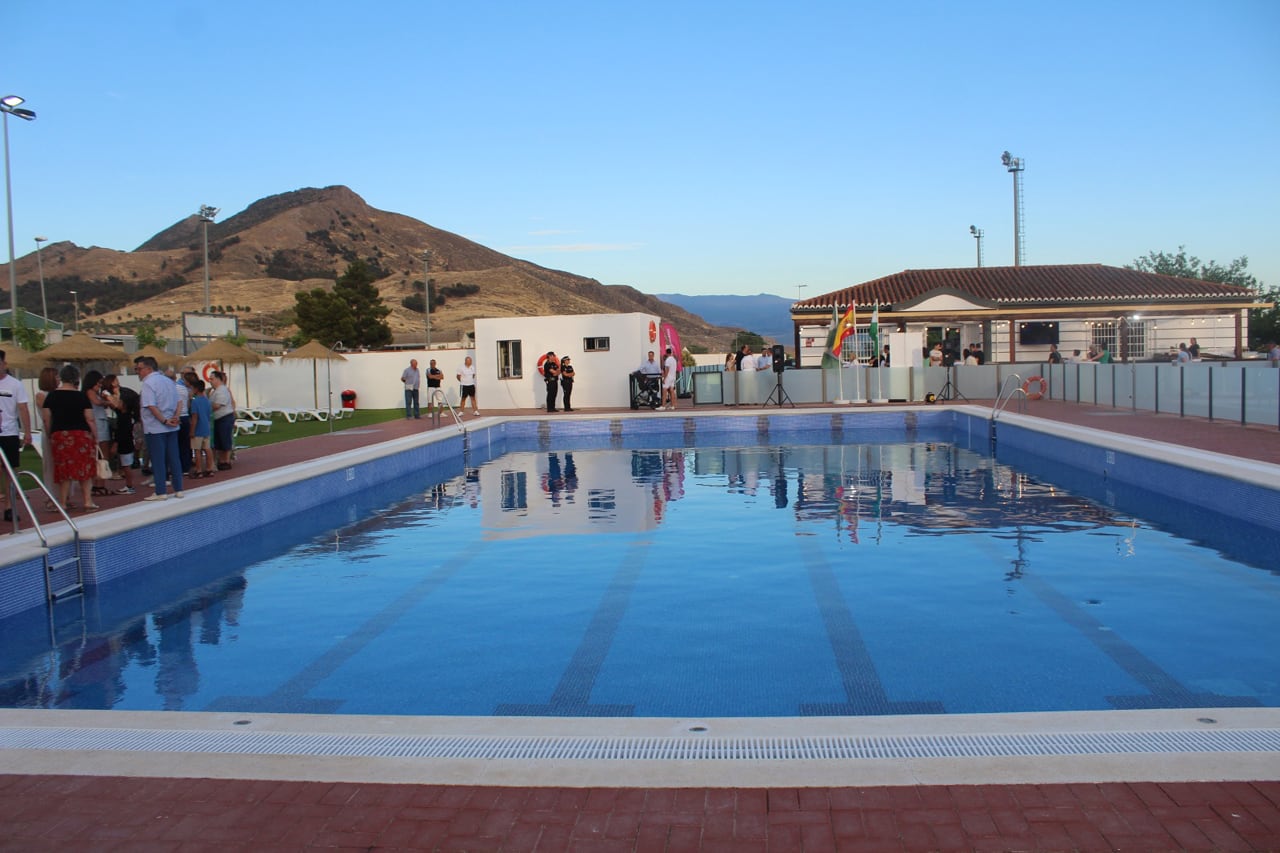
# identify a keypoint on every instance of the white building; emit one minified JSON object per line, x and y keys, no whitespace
{"x":604,"y":350}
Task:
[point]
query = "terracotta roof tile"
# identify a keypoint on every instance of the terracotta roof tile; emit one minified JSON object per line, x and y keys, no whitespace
{"x":1071,"y":284}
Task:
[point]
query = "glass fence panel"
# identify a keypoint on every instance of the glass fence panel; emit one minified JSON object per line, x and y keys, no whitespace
{"x":1195,"y":389}
{"x":1262,"y":396}
{"x":1227,"y":386}
{"x":1144,"y":386}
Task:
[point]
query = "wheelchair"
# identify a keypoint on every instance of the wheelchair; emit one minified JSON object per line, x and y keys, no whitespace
{"x":645,"y":391}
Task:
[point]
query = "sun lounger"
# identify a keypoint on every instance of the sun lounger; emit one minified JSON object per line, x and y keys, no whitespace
{"x":244,"y":427}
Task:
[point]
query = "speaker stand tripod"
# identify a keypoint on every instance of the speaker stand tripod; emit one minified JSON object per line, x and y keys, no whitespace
{"x":778,"y":395}
{"x":949,"y":392}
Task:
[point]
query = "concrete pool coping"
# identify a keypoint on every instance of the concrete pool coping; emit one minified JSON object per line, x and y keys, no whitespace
{"x":1053,"y":747}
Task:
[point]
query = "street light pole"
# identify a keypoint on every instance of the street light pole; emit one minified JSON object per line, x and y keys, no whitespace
{"x":206,"y":214}
{"x":76,"y":300}
{"x":44,"y":305}
{"x":977,"y":235}
{"x":426,"y":291}
{"x":11,"y":105}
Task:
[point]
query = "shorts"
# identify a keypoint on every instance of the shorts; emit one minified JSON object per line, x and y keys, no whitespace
{"x":669,"y":383}
{"x":199,"y":442}
{"x":126,"y":460}
{"x":468,"y":391}
{"x":11,"y":446}
{"x":222,"y":430}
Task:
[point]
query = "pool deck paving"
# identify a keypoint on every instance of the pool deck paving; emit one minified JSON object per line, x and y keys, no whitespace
{"x":133,"y":807}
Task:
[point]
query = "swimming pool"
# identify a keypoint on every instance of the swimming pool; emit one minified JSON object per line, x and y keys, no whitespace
{"x":577,"y":577}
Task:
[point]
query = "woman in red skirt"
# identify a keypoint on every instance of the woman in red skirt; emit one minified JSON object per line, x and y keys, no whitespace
{"x":68,"y":418}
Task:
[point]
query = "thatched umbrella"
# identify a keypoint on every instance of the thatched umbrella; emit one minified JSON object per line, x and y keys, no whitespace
{"x":19,"y":359}
{"x":224,"y":352}
{"x":82,"y":348}
{"x":315,"y":351}
{"x":164,"y":359}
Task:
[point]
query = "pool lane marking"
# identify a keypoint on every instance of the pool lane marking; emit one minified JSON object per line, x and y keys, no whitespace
{"x":572,"y":696}
{"x":864,"y":691}
{"x":292,"y":695}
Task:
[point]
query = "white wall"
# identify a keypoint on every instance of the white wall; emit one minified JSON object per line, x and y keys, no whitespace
{"x":601,"y":377}
{"x":374,"y":376}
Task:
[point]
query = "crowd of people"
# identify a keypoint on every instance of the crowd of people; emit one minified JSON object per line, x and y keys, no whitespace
{"x":101,"y":437}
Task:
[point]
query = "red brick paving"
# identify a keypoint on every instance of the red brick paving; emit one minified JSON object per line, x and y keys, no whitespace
{"x":142,"y":814}
{"x":61,"y":813}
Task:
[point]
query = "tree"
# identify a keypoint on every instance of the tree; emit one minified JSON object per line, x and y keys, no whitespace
{"x":1182,"y":266}
{"x":352,"y":312}
{"x":751,"y":339}
{"x":146,"y":336}
{"x":1264,"y":323}
{"x":29,"y":339}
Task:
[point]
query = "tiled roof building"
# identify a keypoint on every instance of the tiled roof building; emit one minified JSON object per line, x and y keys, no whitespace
{"x":985,"y":303}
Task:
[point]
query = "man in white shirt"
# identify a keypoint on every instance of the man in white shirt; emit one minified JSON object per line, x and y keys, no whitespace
{"x":670,"y":370}
{"x":160,"y":426}
{"x":15,"y":424}
{"x":467,"y":383}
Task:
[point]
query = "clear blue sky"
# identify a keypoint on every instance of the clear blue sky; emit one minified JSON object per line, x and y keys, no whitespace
{"x":690,"y":147}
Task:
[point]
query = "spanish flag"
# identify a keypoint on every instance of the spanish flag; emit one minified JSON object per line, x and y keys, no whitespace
{"x":845,"y":328}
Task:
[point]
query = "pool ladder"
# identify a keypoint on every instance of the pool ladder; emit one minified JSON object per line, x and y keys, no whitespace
{"x":71,"y":587}
{"x":436,"y":401}
{"x":1008,"y":391}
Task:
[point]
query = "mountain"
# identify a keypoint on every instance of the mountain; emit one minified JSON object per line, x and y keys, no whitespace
{"x":280,"y":245}
{"x":765,"y":314}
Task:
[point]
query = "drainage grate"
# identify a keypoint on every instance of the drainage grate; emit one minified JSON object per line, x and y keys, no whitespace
{"x":709,"y":748}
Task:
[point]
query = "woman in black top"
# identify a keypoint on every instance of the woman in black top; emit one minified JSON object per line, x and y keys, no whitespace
{"x":68,"y":417}
{"x":566,"y":381}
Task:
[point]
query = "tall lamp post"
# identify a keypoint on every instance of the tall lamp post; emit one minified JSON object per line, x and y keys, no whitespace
{"x":206,"y":214}
{"x":11,"y":105}
{"x":426,"y":292}
{"x":1015,"y":166}
{"x":76,"y":301}
{"x":44,"y":306}
{"x":977,"y":235}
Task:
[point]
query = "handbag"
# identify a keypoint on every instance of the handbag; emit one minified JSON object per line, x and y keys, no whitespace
{"x":104,"y":467}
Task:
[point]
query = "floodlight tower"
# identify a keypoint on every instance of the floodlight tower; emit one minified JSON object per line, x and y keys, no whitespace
{"x":206,"y":214}
{"x":1016,"y":165}
{"x":977,"y":235}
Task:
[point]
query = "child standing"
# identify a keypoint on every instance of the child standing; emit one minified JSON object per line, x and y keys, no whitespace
{"x":201,"y":429}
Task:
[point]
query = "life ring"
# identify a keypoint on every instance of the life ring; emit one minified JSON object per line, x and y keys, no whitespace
{"x":1042,"y":387}
{"x":208,"y":369}
{"x":543,"y":360}
{"x":653,"y":331}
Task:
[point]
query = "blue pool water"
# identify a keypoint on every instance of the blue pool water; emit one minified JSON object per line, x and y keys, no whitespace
{"x":807,"y":578}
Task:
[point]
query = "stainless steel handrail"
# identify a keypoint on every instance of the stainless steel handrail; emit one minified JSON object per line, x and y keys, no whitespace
{"x":1002,"y":399}
{"x":15,"y":478}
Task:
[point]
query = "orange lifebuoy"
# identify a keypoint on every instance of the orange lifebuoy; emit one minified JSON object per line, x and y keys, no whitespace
{"x":1042,"y":387}
{"x":208,"y":369}
{"x":543,"y":360}
{"x":653,"y":331}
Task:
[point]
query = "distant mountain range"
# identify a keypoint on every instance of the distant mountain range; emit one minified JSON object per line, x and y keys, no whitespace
{"x":767,"y":315}
{"x":262,"y":256}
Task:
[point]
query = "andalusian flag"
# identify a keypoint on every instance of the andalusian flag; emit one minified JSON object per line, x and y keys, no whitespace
{"x":845,"y":328}
{"x":828,"y":360}
{"x":873,"y":331}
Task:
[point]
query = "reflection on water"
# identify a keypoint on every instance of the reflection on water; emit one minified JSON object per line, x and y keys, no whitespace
{"x":855,"y":496}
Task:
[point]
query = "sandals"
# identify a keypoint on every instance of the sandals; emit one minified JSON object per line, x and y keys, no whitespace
{"x":91,"y":507}
{"x":102,"y":491}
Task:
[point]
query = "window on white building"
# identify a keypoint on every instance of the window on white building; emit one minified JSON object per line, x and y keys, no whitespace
{"x":595,"y":344}
{"x":1139,"y":333}
{"x":509,"y":360}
